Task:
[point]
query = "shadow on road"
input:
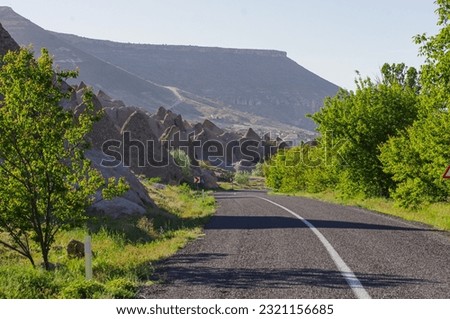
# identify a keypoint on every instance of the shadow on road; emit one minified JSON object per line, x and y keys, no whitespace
{"x":178,"y":270}
{"x":273,"y":222}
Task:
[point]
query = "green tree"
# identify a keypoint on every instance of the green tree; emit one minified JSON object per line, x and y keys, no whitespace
{"x":46,"y":183}
{"x":365,"y":119}
{"x":418,"y":158}
{"x":274,"y":170}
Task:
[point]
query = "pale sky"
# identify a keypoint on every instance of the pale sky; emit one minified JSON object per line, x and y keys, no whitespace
{"x":331,"y":38}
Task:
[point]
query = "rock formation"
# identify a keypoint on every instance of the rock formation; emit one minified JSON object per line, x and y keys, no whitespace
{"x":7,"y":43}
{"x":129,"y":142}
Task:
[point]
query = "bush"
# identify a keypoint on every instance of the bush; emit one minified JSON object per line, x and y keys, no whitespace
{"x":242,"y":178}
{"x":121,"y":288}
{"x":185,"y":189}
{"x":83,"y":289}
{"x":258,"y":170}
{"x":154,"y":180}
{"x":34,"y":283}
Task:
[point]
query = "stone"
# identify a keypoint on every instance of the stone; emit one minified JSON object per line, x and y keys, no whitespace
{"x":102,"y":131}
{"x":137,"y":192}
{"x":209,"y":179}
{"x":117,"y":208}
{"x":75,"y":249}
{"x":140,"y":126}
{"x":159,"y":186}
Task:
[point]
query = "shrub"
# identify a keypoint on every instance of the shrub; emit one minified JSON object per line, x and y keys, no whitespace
{"x":258,"y":170}
{"x":154,"y":180}
{"x":83,"y":289}
{"x":242,"y":178}
{"x":121,"y":288}
{"x":34,"y":283}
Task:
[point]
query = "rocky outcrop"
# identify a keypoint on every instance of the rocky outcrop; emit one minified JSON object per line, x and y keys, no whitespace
{"x":108,"y":102}
{"x":251,"y":135}
{"x":7,"y":43}
{"x":119,"y":115}
{"x":142,"y":145}
{"x":167,"y":131}
{"x":134,"y":201}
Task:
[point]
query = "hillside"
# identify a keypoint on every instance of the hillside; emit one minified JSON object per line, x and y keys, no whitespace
{"x":100,"y":74}
{"x":262,"y":82}
{"x":235,"y":87}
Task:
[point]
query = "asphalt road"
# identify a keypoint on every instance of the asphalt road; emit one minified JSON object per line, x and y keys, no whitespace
{"x":254,"y":248}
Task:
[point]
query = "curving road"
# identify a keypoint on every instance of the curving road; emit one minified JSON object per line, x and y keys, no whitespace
{"x":261,"y":246}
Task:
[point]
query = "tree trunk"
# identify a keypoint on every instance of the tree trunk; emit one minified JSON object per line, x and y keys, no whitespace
{"x":30,"y":258}
{"x":45,"y":250}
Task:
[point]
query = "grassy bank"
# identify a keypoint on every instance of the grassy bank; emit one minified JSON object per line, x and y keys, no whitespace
{"x":124,"y":251}
{"x":245,"y":183}
{"x":436,"y":215}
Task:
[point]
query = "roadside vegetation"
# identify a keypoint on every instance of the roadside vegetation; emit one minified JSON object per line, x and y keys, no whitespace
{"x":385,"y":145}
{"x":46,"y":185}
{"x":244,"y":180}
{"x":125,"y":250}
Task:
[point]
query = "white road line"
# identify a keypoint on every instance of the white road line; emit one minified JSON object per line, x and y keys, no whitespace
{"x":345,"y":270}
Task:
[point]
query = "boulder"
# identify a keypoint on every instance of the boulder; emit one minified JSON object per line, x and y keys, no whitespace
{"x":117,"y":208}
{"x":102,"y":131}
{"x":209,"y":179}
{"x":139,"y":124}
{"x":137,"y":194}
{"x":75,"y":249}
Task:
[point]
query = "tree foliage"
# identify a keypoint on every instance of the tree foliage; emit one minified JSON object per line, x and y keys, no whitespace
{"x":366,"y":118}
{"x":390,"y":137}
{"x":46,"y":183}
{"x":417,"y":158}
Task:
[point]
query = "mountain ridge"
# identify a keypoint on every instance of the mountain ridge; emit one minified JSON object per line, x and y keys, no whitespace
{"x":182,"y":47}
{"x":263,"y":88}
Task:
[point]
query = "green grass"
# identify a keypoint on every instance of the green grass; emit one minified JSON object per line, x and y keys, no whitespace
{"x":125,"y":251}
{"x":436,"y":215}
